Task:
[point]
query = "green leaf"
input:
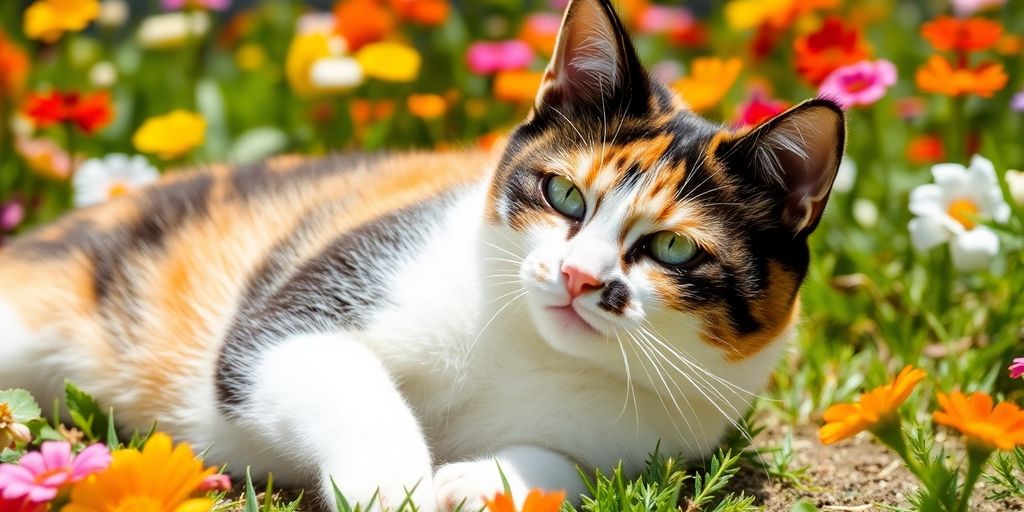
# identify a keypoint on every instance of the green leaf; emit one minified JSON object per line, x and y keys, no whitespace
{"x":9,"y":456}
{"x":339,"y":499}
{"x":85,"y":411}
{"x":504,"y":481}
{"x":23,"y":407}
{"x":112,"y":441}
{"x":803,"y":506}
{"x":251,"y":505}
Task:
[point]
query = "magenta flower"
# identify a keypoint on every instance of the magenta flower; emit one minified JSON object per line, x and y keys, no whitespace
{"x":216,"y":5}
{"x":12,"y":213}
{"x":218,"y":482}
{"x":1017,"y":368}
{"x":38,"y":476}
{"x":862,"y":83}
{"x":488,"y":58}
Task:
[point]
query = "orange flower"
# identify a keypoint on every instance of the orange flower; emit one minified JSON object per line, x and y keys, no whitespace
{"x":926,"y":149}
{"x":517,"y":86}
{"x":362,"y":22}
{"x":427,"y":106}
{"x":540,"y":31}
{"x":425,"y":12}
{"x":974,"y":416}
{"x":13,"y":67}
{"x":708,"y":82}
{"x":939,"y":76}
{"x":875,"y":409}
{"x":536,"y":501}
{"x":947,"y":33}
{"x":830,"y":47}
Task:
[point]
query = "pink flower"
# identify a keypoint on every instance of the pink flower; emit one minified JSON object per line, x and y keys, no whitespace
{"x":12,"y":213}
{"x":217,"y":482}
{"x":217,"y":5}
{"x":862,"y":83}
{"x":39,"y":475}
{"x":661,"y":19}
{"x":488,"y":58}
{"x":969,"y":7}
{"x":1017,"y":368}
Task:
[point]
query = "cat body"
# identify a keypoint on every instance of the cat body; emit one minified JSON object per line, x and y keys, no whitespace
{"x":621,"y":274}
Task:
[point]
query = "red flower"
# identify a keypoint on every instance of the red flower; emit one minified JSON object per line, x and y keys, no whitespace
{"x":89,"y":112}
{"x":759,"y":108}
{"x":925,"y":149}
{"x":830,"y":47}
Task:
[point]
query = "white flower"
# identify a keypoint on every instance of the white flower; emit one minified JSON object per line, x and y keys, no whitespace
{"x":949,"y":210}
{"x":113,"y":13}
{"x":846,"y":176}
{"x":334,"y":73}
{"x":103,"y":74}
{"x":172,"y":29}
{"x":100,"y":179}
{"x":865,"y":212}
{"x":1015,"y":181}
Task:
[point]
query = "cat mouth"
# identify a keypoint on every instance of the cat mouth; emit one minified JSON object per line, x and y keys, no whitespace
{"x":569,"y":317}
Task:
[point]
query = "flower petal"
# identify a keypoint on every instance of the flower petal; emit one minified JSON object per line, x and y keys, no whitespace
{"x":928,"y":232}
{"x":973,"y":250}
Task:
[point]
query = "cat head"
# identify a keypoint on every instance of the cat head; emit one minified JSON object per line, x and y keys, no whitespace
{"x":629,"y":212}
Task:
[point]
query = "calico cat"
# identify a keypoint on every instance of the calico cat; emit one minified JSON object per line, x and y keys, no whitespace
{"x":621,"y":273}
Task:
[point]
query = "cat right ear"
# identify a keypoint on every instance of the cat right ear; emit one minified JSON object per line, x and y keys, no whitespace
{"x":594,"y":60}
{"x":796,"y":154}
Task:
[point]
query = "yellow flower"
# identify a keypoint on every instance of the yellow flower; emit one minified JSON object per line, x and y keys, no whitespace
{"x":157,"y":479}
{"x":875,"y":409}
{"x":999,"y":427}
{"x":390,"y":62}
{"x":171,"y":135}
{"x":250,"y":57}
{"x":427,"y":106}
{"x":303,"y":52}
{"x":49,"y":19}
{"x":744,"y":14}
{"x":709,"y":80}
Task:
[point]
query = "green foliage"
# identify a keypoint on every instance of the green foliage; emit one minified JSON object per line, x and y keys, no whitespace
{"x":86,"y":413}
{"x":21,"y":404}
{"x":1007,"y":475}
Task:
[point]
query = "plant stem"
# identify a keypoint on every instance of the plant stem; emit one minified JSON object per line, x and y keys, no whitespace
{"x":976,"y":457}
{"x":958,"y":129}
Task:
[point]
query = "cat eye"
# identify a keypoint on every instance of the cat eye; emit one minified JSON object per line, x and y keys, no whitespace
{"x":671,"y":248}
{"x":564,"y":197}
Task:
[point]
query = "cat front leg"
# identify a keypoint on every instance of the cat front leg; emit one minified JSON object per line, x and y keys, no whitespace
{"x":328,"y":400}
{"x":525,"y":468}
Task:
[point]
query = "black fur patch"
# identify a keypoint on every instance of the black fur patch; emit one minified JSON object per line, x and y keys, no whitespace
{"x":339,"y":288}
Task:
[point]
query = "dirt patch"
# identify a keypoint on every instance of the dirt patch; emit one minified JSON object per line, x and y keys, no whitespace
{"x":855,"y":475}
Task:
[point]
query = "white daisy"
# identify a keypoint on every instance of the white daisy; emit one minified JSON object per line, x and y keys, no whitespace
{"x":100,"y":179}
{"x":1015,"y":182}
{"x":950,"y":209}
{"x":336,"y":73}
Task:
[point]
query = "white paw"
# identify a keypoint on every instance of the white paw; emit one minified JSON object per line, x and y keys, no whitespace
{"x":470,"y":483}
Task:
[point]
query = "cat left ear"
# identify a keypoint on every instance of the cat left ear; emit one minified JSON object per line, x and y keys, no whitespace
{"x":796,"y":153}
{"x":594,"y":59}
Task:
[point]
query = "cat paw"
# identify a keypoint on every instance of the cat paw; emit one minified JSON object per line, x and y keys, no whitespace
{"x":470,"y":483}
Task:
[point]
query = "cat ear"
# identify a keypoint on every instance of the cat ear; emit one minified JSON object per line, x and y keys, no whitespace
{"x":797,"y":153}
{"x":594,"y":59}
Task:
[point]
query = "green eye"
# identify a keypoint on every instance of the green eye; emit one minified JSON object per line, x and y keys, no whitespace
{"x":565,"y":197}
{"x":671,"y":248}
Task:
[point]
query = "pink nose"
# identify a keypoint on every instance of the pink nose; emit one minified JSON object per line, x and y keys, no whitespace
{"x":577,"y":281}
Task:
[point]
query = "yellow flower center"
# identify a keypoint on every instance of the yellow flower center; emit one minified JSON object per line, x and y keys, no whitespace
{"x":6,"y":418}
{"x":117,"y":190}
{"x":138,"y":504}
{"x":964,"y":211}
